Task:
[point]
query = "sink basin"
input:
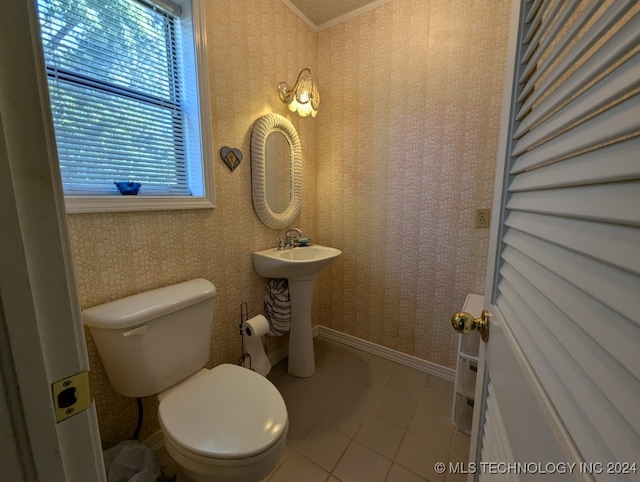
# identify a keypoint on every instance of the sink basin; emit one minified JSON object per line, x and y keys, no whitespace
{"x":295,"y":263}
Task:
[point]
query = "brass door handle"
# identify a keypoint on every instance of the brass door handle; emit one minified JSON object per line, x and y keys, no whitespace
{"x":464,"y":323}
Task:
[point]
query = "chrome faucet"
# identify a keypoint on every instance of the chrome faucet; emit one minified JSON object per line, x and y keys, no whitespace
{"x":289,"y":241}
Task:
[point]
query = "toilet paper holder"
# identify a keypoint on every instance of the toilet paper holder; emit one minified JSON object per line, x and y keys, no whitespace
{"x":244,"y":356}
{"x":253,"y":351}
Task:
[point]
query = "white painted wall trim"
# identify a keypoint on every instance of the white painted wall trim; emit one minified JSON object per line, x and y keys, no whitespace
{"x":301,"y":15}
{"x":388,"y":353}
{"x":337,"y":20}
{"x":352,"y":14}
{"x":154,"y":441}
{"x":42,"y":336}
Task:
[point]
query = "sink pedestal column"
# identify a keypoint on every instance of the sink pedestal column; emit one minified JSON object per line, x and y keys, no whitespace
{"x":302,"y":362}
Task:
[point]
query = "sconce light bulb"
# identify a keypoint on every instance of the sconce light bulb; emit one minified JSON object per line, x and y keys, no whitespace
{"x":303,"y":98}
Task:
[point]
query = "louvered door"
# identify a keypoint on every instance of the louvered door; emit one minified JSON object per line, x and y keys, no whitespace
{"x":560,"y":374}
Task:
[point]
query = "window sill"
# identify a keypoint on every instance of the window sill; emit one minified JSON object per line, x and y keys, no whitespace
{"x":101,"y":204}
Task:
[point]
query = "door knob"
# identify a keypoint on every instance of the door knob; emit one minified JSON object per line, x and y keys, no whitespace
{"x":464,"y":323}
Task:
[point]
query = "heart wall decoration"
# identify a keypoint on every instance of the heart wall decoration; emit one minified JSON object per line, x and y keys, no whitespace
{"x":231,"y":157}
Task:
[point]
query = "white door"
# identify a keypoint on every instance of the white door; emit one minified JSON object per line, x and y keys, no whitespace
{"x":41,"y":335}
{"x":559,"y":378}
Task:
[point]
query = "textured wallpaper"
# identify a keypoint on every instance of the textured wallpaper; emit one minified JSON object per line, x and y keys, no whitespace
{"x":252,"y":46}
{"x":408,"y":137}
{"x":399,"y":157}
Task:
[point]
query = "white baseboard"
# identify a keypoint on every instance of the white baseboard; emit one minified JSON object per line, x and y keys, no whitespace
{"x":154,"y":441}
{"x":388,"y":353}
{"x":279,"y":355}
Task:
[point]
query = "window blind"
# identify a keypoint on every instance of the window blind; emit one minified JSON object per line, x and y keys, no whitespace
{"x":569,"y":277}
{"x":116,"y":91}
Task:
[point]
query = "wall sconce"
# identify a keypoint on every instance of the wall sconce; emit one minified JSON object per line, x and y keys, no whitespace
{"x":304,"y":97}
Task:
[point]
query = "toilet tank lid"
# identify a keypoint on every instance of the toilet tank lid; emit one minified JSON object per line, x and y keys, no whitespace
{"x":142,"y":307}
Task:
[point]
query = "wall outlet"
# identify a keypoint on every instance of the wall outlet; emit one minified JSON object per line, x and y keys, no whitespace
{"x":483,"y":218}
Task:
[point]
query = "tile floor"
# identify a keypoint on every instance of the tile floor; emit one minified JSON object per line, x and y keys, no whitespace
{"x":362,"y":418}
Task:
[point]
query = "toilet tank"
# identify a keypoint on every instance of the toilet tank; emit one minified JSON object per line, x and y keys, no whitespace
{"x":152,"y":340}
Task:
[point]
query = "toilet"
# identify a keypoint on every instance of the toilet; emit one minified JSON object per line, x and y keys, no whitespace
{"x":224,"y":424}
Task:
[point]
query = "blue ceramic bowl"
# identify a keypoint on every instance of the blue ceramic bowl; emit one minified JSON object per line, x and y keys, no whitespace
{"x":128,"y":188}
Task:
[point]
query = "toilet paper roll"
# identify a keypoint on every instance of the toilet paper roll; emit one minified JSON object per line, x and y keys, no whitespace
{"x":252,"y":331}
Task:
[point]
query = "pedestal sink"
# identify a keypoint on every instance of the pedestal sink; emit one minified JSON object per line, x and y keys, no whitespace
{"x":300,"y":266}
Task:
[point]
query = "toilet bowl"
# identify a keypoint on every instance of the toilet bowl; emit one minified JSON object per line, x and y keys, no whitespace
{"x":201,"y":469}
{"x":224,"y":424}
{"x":227,"y":424}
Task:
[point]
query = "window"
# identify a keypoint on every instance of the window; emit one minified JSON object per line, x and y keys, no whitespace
{"x":128,"y":90}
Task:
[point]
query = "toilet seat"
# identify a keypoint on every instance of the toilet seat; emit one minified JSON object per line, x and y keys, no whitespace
{"x":225,"y":414}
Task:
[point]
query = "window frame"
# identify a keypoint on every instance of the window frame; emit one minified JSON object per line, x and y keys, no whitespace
{"x":193,"y":25}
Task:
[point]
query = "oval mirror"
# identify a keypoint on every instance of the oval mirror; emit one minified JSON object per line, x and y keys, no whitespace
{"x":276,"y":171}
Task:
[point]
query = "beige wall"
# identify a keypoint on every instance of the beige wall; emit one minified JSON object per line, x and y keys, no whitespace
{"x":400,"y":155}
{"x":252,"y":46}
{"x":412,"y":93}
